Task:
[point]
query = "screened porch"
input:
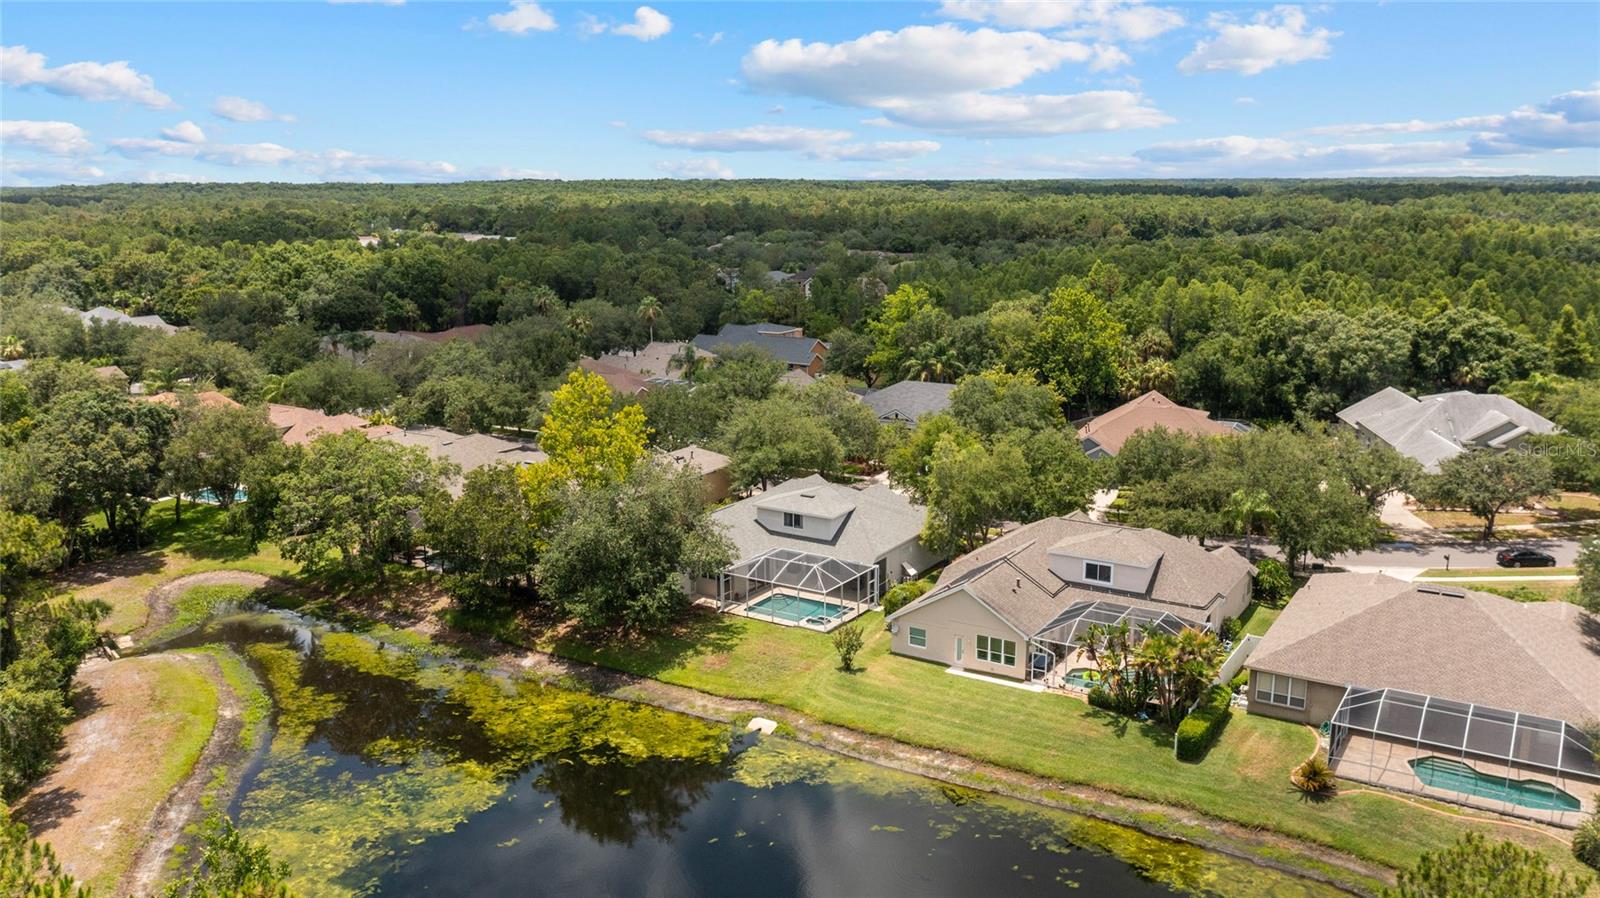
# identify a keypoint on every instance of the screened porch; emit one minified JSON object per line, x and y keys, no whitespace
{"x":798,"y":589}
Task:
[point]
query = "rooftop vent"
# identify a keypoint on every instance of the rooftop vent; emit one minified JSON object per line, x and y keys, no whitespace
{"x":1442,"y":591}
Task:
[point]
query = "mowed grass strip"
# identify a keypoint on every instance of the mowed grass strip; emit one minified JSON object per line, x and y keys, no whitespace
{"x":1243,"y":779}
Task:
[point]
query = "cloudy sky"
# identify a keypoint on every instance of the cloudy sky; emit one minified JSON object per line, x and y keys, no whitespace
{"x":392,"y":91}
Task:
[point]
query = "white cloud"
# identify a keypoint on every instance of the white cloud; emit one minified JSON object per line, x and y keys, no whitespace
{"x":647,"y":25}
{"x":714,"y":39}
{"x":1023,"y":115}
{"x":815,"y":143}
{"x":755,"y":137}
{"x":696,"y":168}
{"x":239,"y":109}
{"x":1279,"y":36}
{"x":1569,"y":120}
{"x":523,"y":16}
{"x":55,"y":138}
{"x":326,"y":164}
{"x":947,"y":80}
{"x":338,"y":164}
{"x":27,"y":172}
{"x":175,"y":177}
{"x":509,"y":173}
{"x":1245,"y":101}
{"x":1099,"y":19}
{"x":20,"y":67}
{"x":186,"y":132}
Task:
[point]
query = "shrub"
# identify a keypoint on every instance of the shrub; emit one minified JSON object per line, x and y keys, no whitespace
{"x":1473,"y":866}
{"x":903,"y":594}
{"x":1240,"y":680}
{"x":1204,"y":724}
{"x":1230,"y":628}
{"x":1586,"y":841}
{"x":1273,"y":583}
{"x":1100,"y":698}
{"x":1314,"y":776}
{"x":847,"y":642}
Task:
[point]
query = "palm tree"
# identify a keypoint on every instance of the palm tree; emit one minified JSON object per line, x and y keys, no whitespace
{"x":650,"y":310}
{"x":688,"y":361}
{"x":11,"y":347}
{"x":1249,"y":510}
{"x":933,"y":361}
{"x":580,"y":324}
{"x":272,"y":388}
{"x":160,"y":380}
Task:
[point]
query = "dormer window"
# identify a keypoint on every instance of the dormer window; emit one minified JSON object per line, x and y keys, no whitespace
{"x":1097,"y":572}
{"x":794,"y":521}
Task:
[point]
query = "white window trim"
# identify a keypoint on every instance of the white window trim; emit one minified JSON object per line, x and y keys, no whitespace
{"x":1111,"y":572}
{"x":913,"y":634}
{"x":1267,"y":692}
{"x":995,"y":655}
{"x":794,"y":520}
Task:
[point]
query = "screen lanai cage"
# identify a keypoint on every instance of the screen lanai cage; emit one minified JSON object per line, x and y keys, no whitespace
{"x":805,"y":576}
{"x":1062,"y":638}
{"x":1520,"y":764}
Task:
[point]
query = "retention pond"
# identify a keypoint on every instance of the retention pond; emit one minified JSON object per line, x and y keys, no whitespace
{"x":393,"y":773}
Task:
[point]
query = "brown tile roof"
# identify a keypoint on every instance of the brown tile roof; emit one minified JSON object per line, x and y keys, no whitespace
{"x":654,"y":360}
{"x":1371,"y":630}
{"x":1012,"y":575}
{"x":625,"y":382}
{"x":1151,"y":410}
{"x":205,"y":397}
{"x":299,"y":426}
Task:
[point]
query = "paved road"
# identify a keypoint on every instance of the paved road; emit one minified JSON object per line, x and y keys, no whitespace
{"x":1464,"y":553}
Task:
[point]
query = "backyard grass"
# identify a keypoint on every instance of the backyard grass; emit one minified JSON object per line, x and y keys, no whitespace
{"x":199,"y":544}
{"x":1257,"y":619}
{"x":1524,"y":590}
{"x":1244,"y":778}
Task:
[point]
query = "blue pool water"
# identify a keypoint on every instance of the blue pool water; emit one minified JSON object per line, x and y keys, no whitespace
{"x":795,"y":609}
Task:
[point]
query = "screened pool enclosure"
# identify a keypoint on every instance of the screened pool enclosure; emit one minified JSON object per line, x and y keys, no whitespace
{"x":1521,"y":764}
{"x":1056,"y":649}
{"x":777,"y":581}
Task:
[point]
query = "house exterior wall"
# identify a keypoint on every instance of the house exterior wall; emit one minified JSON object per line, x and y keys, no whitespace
{"x":958,"y":616}
{"x":1322,"y":700}
{"x":718,"y":485}
{"x":909,"y":553}
{"x":1234,"y":602}
{"x":814,"y":368}
{"x":816,"y":527}
{"x":1124,"y":577}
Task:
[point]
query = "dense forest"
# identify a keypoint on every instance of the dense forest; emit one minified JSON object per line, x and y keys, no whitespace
{"x":1257,"y":300}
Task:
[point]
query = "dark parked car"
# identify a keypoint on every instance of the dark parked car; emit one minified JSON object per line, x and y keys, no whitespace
{"x":1524,"y":558}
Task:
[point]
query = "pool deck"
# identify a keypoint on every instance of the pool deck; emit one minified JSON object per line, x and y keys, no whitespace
{"x":851,"y":612}
{"x":1380,"y":762}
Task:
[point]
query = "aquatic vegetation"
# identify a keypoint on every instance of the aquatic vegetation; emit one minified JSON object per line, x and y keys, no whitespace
{"x":300,"y":708}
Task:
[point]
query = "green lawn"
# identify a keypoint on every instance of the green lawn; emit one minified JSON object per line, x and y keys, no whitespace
{"x":1478,"y":573}
{"x":1257,"y":619}
{"x":1244,"y":778}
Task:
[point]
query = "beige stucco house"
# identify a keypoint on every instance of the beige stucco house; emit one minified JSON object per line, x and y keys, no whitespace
{"x":1017,"y":607}
{"x":1452,"y":693}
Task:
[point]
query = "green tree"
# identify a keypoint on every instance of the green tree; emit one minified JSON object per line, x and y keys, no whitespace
{"x":776,"y":439}
{"x":619,"y":551}
{"x":1589,"y":574}
{"x":911,"y":461}
{"x":211,"y":446}
{"x":28,"y":547}
{"x":650,"y":313}
{"x":1486,"y":482}
{"x":489,"y":535}
{"x":890,"y":341}
{"x":1157,"y":454}
{"x":850,"y":420}
{"x":1077,"y":346}
{"x":231,"y":866}
{"x":349,"y":502}
{"x":847,"y":355}
{"x":1374,"y":470}
{"x":1473,"y":868}
{"x":971,"y":489}
{"x":1571,"y":349}
{"x":847,"y":641}
{"x":337,"y":385}
{"x":997,"y":402}
{"x":29,"y":869}
{"x":587,"y":439}
{"x":1314,"y":510}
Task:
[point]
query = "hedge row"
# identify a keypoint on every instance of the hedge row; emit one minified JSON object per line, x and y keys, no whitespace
{"x":1204,"y":724}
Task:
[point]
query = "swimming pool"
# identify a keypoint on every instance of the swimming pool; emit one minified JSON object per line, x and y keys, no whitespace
{"x":797,"y":609}
{"x":1084,"y":678}
{"x":1444,"y":773}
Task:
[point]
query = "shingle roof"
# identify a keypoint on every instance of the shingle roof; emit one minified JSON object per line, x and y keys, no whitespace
{"x":1371,"y":630}
{"x":654,"y":360}
{"x":771,"y":337}
{"x":1012,"y":575}
{"x":822,"y":501}
{"x":112,"y":316}
{"x":699,"y":459}
{"x":1111,"y":429}
{"x":298,"y":426}
{"x":625,"y":382}
{"x":909,"y":400}
{"x":468,"y":451}
{"x":882,"y":520}
{"x":204,"y":397}
{"x":1442,"y":425}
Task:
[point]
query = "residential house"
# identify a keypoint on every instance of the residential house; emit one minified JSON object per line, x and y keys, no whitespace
{"x":298,"y":426}
{"x":1102,"y":436}
{"x":1452,"y":693}
{"x":470,"y":332}
{"x":1443,"y":425}
{"x":619,"y":380}
{"x":788,"y":344}
{"x":207,"y":398}
{"x":827,"y":548}
{"x":632,"y":373}
{"x":713,"y":468}
{"x":798,"y":279}
{"x":908,"y":400}
{"x":1018,"y":607}
{"x":468,"y":451}
{"x":108,"y":315}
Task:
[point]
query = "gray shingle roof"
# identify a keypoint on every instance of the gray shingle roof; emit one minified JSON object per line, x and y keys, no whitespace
{"x":881,"y":521}
{"x":1012,"y":575}
{"x":1539,"y":658}
{"x":770,"y":337}
{"x":468,"y":451}
{"x":909,"y":400}
{"x":1440,"y":426}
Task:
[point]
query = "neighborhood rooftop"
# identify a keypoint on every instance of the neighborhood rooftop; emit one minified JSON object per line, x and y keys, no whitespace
{"x":1105,"y":433}
{"x":909,"y":400}
{"x":788,"y":344}
{"x":1443,"y":425}
{"x":1372,"y":630}
{"x":876,"y":520}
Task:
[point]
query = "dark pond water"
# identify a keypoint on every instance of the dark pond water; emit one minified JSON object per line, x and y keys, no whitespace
{"x":389,"y":773}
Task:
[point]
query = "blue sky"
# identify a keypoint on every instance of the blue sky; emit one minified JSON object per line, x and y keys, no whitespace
{"x":960,"y":89}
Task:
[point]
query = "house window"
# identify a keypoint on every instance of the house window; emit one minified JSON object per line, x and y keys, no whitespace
{"x":797,"y":521}
{"x":1097,"y":572}
{"x":1274,"y":689}
{"x":917,"y":637}
{"x":997,"y":651}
